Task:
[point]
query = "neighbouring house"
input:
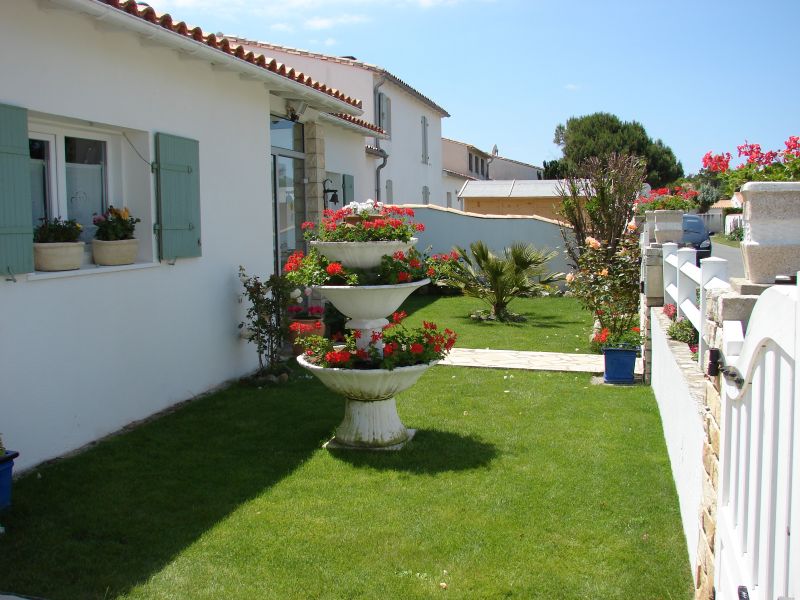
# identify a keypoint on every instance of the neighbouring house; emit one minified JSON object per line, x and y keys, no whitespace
{"x":511,"y":197}
{"x":461,"y":162}
{"x":220,"y":151}
{"x":406,"y":165}
{"x":506,"y":168}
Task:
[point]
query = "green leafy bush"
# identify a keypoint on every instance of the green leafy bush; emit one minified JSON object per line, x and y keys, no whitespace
{"x":682,"y":330}
{"x":608,"y":286}
{"x":497,"y":280}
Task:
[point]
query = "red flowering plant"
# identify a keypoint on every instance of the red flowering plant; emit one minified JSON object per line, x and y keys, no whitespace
{"x":772,"y":165}
{"x":676,"y":198}
{"x":608,"y":287}
{"x":631,"y":338}
{"x":315,"y":269}
{"x":670,"y":310}
{"x":368,"y":221}
{"x":395,"y":346}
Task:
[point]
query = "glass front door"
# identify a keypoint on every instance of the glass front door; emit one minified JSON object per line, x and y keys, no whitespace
{"x":289,"y":206}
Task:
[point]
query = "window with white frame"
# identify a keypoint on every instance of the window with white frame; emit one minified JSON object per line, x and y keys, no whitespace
{"x":75,"y":173}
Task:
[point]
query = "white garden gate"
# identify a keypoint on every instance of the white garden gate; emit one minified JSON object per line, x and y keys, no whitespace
{"x":758,"y":515}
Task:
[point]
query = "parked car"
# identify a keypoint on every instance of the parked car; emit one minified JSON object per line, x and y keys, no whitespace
{"x":695,"y":235}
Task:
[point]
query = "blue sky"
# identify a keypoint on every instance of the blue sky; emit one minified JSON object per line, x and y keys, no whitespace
{"x":700,"y":75}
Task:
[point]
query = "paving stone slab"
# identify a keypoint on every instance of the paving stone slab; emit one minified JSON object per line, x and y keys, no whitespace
{"x":531,"y":361}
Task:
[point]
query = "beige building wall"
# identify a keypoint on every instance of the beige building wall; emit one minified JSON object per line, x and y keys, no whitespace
{"x":539,"y":207}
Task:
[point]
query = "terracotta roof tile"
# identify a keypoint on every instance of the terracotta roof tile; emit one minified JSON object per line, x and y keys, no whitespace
{"x":359,"y":122}
{"x":146,"y":13}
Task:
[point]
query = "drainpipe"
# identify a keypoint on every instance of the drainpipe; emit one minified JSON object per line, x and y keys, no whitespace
{"x":381,"y":151}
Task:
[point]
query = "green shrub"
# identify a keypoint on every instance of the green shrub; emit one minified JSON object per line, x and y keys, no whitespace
{"x":682,"y":330}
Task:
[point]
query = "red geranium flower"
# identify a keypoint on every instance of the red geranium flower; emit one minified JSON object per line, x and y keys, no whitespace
{"x":334,"y":268}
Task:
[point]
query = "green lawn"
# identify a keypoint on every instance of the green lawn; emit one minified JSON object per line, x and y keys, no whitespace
{"x":518,"y":485}
{"x":721,"y":239}
{"x":555,"y":324}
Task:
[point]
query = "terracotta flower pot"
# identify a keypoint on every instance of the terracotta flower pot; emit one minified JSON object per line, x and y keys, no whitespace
{"x":116,"y":252}
{"x":58,"y":256}
{"x":771,"y":244}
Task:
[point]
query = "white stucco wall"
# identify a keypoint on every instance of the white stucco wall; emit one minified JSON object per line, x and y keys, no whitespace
{"x":81,"y":356}
{"x":404,"y":167}
{"x":452,"y":184}
{"x":502,"y":168}
{"x":445,"y":229}
{"x":344,"y":153}
{"x":682,"y":419}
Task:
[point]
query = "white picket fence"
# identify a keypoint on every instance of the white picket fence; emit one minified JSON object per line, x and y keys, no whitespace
{"x":758,"y":504}
{"x":687,"y":286}
{"x":758,"y":514}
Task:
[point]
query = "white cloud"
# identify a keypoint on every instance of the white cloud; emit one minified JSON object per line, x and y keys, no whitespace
{"x":572,"y":87}
{"x":330,"y":42}
{"x":319,"y":23}
{"x":285,"y":27}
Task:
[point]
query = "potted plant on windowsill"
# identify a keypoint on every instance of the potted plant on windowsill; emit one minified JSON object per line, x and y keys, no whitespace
{"x":6,"y":471}
{"x":56,"y":245}
{"x":113,"y":242}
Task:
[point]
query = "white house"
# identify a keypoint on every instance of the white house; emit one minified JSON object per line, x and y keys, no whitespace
{"x":507,"y":168}
{"x":406,"y":166}
{"x":104,"y":103}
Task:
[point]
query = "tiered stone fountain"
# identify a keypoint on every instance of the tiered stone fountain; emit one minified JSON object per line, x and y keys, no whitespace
{"x":370,"y":419}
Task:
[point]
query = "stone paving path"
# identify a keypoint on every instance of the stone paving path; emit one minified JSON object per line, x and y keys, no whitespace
{"x":532,"y":361}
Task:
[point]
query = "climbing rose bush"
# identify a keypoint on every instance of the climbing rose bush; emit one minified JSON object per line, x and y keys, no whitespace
{"x":609,"y":287}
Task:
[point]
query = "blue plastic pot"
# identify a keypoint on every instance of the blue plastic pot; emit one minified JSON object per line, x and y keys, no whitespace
{"x":6,"y":467}
{"x":619,"y":363}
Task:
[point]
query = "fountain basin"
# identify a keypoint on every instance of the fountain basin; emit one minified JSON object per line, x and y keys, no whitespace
{"x":369,"y":302}
{"x":370,"y":419}
{"x":361,"y":255}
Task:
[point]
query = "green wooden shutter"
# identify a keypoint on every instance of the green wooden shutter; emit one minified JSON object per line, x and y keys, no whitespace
{"x":16,"y":210}
{"x":348,"y":189}
{"x":178,"y":192}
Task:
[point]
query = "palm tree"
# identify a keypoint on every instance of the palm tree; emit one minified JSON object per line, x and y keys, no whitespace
{"x":497,"y":280}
